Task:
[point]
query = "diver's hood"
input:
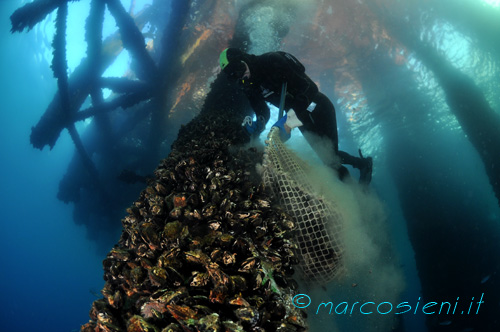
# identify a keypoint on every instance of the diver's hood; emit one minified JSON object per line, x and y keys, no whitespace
{"x":236,"y":68}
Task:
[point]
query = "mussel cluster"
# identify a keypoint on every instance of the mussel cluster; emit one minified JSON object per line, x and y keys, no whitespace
{"x":203,"y":248}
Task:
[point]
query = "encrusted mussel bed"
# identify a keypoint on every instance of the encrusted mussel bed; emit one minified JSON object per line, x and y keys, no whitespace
{"x":203,"y":248}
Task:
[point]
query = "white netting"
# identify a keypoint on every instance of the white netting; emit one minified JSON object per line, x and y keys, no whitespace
{"x":318,"y":222}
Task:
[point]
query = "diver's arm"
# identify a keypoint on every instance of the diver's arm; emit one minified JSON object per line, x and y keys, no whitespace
{"x":259,"y":105}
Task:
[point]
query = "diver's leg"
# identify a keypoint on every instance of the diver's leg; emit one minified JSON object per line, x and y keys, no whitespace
{"x":320,"y":130}
{"x":322,"y":122}
{"x":323,"y":147}
{"x":365,"y":165}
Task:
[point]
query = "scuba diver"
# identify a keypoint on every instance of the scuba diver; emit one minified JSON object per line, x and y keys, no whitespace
{"x":265,"y":78}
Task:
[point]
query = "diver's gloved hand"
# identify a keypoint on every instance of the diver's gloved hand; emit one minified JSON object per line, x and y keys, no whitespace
{"x":253,"y":128}
{"x":284,"y":134}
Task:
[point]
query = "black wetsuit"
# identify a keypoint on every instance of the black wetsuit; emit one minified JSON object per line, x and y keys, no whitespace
{"x":268,"y":72}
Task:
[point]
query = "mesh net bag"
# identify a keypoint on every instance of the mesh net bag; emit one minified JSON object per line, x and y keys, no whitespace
{"x":318,"y":222}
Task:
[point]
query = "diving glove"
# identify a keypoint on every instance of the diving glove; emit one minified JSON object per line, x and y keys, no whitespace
{"x":284,"y":134}
{"x":290,"y":121}
{"x":253,"y":128}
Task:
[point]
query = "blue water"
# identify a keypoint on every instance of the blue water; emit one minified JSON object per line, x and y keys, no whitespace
{"x":47,"y":266}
